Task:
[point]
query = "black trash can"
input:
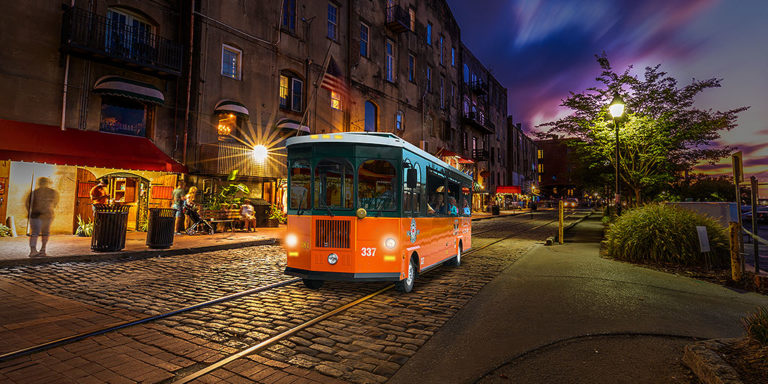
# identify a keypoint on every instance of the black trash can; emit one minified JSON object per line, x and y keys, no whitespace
{"x":160,"y":229}
{"x":261,"y":212}
{"x":494,"y":209}
{"x":109,"y":226}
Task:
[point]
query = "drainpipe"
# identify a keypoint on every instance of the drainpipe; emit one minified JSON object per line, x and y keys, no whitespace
{"x":189,"y":80}
{"x":66,"y":85}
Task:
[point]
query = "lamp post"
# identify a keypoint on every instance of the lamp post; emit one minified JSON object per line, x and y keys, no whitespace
{"x":617,"y":109}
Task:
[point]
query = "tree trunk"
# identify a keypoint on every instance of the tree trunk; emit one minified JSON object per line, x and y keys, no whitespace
{"x":637,"y":196}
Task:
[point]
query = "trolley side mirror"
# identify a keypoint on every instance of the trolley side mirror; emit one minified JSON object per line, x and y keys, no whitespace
{"x":411,"y":178}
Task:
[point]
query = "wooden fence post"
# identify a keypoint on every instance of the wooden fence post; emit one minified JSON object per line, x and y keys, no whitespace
{"x":735,"y":237}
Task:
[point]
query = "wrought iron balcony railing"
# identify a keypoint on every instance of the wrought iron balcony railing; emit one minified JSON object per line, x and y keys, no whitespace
{"x":398,"y":19}
{"x":96,"y":36}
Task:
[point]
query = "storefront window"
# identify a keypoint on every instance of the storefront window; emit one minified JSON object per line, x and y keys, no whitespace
{"x":124,"y":116}
{"x":227,"y":125}
{"x":300,"y":184}
{"x":333,"y":184}
{"x":376,"y":183}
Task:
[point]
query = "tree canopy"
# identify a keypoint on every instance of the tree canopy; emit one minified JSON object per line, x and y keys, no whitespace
{"x":661,"y":134}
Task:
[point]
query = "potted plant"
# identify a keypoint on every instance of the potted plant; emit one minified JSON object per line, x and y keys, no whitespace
{"x":276,"y":216}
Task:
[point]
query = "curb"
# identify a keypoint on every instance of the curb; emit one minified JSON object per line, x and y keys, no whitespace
{"x":134,"y":255}
{"x":707,"y":365}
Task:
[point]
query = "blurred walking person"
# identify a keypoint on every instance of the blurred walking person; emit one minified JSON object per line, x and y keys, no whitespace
{"x":41,"y":205}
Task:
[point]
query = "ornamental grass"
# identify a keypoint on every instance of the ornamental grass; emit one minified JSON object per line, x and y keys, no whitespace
{"x":756,"y":325}
{"x":658,"y":233}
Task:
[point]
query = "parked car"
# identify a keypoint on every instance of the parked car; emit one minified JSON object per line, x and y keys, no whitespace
{"x":746,"y":214}
{"x":571,"y":203}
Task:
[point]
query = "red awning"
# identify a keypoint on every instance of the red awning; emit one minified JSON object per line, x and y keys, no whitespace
{"x":48,"y":144}
{"x":508,"y":189}
{"x":442,"y":152}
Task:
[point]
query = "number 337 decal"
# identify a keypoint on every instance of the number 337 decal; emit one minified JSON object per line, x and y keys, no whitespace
{"x":367,"y":251}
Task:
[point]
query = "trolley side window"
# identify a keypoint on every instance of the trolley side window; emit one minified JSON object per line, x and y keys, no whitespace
{"x":300,"y":184}
{"x":465,"y":204}
{"x":412,"y":196}
{"x":334,"y":179}
{"x":436,"y":205}
{"x":454,"y":196}
{"x":376,"y":185}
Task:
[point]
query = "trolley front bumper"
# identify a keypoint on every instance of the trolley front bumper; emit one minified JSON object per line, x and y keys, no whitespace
{"x":340,"y":276}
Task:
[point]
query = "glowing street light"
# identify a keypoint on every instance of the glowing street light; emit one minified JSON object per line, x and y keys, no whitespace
{"x":260,"y":153}
{"x":616,"y":108}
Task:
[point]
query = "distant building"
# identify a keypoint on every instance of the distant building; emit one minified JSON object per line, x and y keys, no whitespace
{"x":522,"y":166}
{"x":558,"y":169}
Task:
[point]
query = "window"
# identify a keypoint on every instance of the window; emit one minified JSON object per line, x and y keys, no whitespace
{"x":227,"y":126}
{"x":429,"y":33}
{"x":453,"y":57}
{"x":453,"y":94}
{"x":539,"y":178}
{"x":412,"y":13}
{"x":442,"y":51}
{"x":128,"y":34}
{"x":390,"y":51}
{"x":376,"y":180}
{"x":289,"y":15}
{"x":541,"y":168}
{"x":334,"y":182}
{"x":300,"y":184}
{"x":333,"y":16}
{"x":370,"y":117}
{"x":412,"y":196}
{"x":429,"y":79}
{"x":442,"y":92}
{"x":230,"y":61}
{"x":335,"y":100}
{"x":363,"y":40}
{"x":411,"y":68}
{"x":436,"y":192}
{"x":540,"y":154}
{"x":291,"y":92}
{"x":466,"y":74}
{"x":399,"y":121}
{"x":464,"y":141}
{"x":124,"y":116}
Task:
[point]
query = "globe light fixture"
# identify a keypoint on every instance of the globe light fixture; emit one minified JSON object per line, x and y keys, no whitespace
{"x":260,"y":153}
{"x":616,"y":107}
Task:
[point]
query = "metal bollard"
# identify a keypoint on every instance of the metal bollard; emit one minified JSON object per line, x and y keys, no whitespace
{"x":561,"y":222}
{"x":734,"y":230}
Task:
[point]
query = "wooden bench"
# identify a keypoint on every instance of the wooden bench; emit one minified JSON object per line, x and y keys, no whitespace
{"x":223,"y":216}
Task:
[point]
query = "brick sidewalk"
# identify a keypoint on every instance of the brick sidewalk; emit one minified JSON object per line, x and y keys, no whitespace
{"x":15,"y":251}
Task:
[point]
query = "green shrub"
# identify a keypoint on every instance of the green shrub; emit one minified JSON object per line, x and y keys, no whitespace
{"x":756,"y":325}
{"x":666,"y":234}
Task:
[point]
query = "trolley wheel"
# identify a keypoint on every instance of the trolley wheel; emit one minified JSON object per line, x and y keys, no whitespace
{"x":406,"y":285}
{"x":456,"y":261}
{"x":313,"y":284}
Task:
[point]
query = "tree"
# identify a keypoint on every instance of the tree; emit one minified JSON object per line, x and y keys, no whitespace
{"x":661,"y":134}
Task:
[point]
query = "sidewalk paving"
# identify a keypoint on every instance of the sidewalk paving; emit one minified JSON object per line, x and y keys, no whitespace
{"x":559,"y":293}
{"x":62,"y":248}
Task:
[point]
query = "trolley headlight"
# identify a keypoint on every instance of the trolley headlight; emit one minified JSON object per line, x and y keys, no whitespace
{"x":333,"y":258}
{"x":390,"y":243}
{"x":291,"y":240}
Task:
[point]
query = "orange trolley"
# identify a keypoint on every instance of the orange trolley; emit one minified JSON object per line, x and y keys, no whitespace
{"x":372,"y":207}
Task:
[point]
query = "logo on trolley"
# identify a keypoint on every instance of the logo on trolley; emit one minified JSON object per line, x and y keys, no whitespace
{"x":413,"y":232}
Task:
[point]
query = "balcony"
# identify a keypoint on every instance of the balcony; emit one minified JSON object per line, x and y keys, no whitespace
{"x":224,"y":157}
{"x":398,"y":19}
{"x":93,"y":36}
{"x":479,"y":121}
{"x":480,"y":155}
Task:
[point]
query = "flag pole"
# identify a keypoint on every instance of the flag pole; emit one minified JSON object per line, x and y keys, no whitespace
{"x":319,"y":81}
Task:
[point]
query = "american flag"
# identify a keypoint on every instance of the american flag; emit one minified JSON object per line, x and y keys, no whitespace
{"x":333,"y":80}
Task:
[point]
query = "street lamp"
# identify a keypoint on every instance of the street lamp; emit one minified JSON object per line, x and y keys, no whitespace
{"x":617,"y":109}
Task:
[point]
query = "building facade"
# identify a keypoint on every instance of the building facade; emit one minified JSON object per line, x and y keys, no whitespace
{"x":559,"y":169}
{"x":522,"y":168}
{"x":92,"y":91}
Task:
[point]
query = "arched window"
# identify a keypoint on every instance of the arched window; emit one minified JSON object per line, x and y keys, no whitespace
{"x":371,"y":112}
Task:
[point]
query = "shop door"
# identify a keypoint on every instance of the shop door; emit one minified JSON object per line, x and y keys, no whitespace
{"x":85,"y":181}
{"x":267,"y":191}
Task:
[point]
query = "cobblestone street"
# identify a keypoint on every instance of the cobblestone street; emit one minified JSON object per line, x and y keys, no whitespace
{"x":366,"y":343}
